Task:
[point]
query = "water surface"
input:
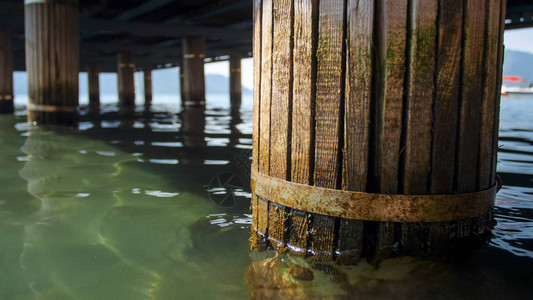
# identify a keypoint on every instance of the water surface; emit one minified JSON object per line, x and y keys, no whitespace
{"x":132,"y":206}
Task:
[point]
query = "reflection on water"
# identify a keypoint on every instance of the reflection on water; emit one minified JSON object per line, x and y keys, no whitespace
{"x":120,"y":209}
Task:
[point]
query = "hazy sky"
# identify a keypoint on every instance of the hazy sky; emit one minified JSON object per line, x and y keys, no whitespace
{"x":519,"y":39}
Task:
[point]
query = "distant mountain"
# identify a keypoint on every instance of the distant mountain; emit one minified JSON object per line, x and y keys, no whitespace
{"x":518,"y":63}
{"x":215,"y":84}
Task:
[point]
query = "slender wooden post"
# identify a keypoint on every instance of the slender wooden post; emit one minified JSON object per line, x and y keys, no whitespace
{"x":193,"y":71}
{"x":126,"y":85}
{"x":6,"y":73}
{"x":235,"y":89}
{"x":370,"y":119}
{"x":182,"y":85}
{"x":94,"y":85}
{"x":147,"y":87}
{"x":52,"y":61}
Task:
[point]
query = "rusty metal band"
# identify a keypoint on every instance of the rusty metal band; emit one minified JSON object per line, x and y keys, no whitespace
{"x":126,"y":65}
{"x":373,"y":207}
{"x":193,"y":103}
{"x":6,"y":97}
{"x":51,"y":108}
{"x":65,"y":2}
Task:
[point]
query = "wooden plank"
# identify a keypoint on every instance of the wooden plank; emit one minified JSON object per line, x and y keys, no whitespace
{"x":303,"y":102}
{"x":420,"y":93}
{"x":350,"y":245}
{"x":254,"y":204}
{"x":445,"y":113}
{"x":329,"y":116}
{"x":299,"y":230}
{"x":323,"y":237}
{"x":281,"y":101}
{"x":391,"y":42}
{"x":277,"y":224}
{"x":447,"y":97}
{"x":263,"y":163}
{"x":304,"y":70}
{"x":470,"y":106}
{"x":390,"y":61}
{"x":499,"y":70}
{"x":266,"y":87}
{"x":357,"y":109}
{"x":257,"y":82}
{"x":329,"y":93}
{"x":488,"y":106}
{"x":358,"y":97}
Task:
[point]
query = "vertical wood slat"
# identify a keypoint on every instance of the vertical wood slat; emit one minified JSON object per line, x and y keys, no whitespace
{"x":488,"y":107}
{"x":420,"y":93}
{"x":281,"y":102}
{"x":6,"y":72}
{"x":357,"y":109}
{"x":303,"y":101}
{"x":470,"y":106}
{"x":390,"y":76}
{"x":445,"y":113}
{"x":265,"y":104}
{"x":256,"y":109}
{"x":501,"y":49}
{"x":126,"y":82}
{"x":52,"y":54}
{"x":329,"y":114}
{"x":419,"y":102}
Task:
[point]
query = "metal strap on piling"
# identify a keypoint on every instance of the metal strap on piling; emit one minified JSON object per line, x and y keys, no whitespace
{"x":65,"y":2}
{"x":373,"y":207}
{"x":51,"y":108}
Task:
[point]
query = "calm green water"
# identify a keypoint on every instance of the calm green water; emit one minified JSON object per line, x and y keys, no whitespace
{"x":129,"y":207}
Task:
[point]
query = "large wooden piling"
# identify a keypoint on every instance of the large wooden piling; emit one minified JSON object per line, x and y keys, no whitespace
{"x":52,"y":61}
{"x":6,"y":73}
{"x":193,"y":88}
{"x":93,"y":77}
{"x":147,"y":74}
{"x":235,"y":88}
{"x":126,"y":82}
{"x":374,"y":126}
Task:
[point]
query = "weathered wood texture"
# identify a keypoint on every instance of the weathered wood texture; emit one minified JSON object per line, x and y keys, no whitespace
{"x":6,"y":73}
{"x":147,"y":75}
{"x":193,"y":88}
{"x":235,"y":86}
{"x":93,"y":78}
{"x":392,"y":97}
{"x":126,"y":80}
{"x":52,"y":61}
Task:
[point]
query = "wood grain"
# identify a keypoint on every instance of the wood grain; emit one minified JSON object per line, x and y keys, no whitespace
{"x":304,"y":87}
{"x":254,"y":207}
{"x":303,"y":101}
{"x":329,"y":116}
{"x":472,"y":86}
{"x":488,"y":105}
{"x":281,"y":102}
{"x":420,"y":94}
{"x":266,"y":87}
{"x":391,"y":41}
